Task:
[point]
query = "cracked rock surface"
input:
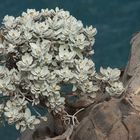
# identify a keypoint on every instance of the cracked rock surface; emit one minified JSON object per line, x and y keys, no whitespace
{"x":112,"y":120}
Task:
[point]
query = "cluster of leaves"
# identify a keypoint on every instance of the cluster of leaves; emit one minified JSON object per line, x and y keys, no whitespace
{"x":42,"y":51}
{"x":108,"y":79}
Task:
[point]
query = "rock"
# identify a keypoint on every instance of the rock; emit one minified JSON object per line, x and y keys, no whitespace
{"x":85,"y":130}
{"x":118,"y":132}
{"x":110,"y":120}
{"x":132,"y":124}
{"x":134,"y":56}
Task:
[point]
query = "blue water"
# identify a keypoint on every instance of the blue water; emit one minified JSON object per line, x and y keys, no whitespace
{"x":115,"y":20}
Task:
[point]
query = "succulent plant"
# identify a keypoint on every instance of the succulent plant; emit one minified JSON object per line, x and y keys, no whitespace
{"x":42,"y":51}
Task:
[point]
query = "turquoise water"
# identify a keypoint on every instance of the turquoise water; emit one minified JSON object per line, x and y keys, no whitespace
{"x":115,"y":20}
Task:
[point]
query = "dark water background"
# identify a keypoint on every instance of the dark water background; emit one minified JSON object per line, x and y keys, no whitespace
{"x":115,"y":20}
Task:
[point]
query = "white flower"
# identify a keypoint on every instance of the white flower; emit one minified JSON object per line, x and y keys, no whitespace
{"x":65,"y":74}
{"x":72,"y":26}
{"x":26,"y":23}
{"x":79,"y":41}
{"x":56,"y":103}
{"x":86,"y":66}
{"x":45,"y":12}
{"x":81,"y":77}
{"x":109,"y":74}
{"x":115,"y":89}
{"x":28,"y":121}
{"x":63,"y":14}
{"x":26,"y":64}
{"x":41,"y":28}
{"x":55,"y":23}
{"x":54,"y":88}
{"x":9,"y":21}
{"x":38,"y":88}
{"x":6,"y":87}
{"x":12,"y":111}
{"x":39,"y":73}
{"x":89,"y":87}
{"x":65,"y":54}
{"x":38,"y":50}
{"x":52,"y":78}
{"x":91,"y":32}
{"x":32,"y":13}
{"x":13,"y":36}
